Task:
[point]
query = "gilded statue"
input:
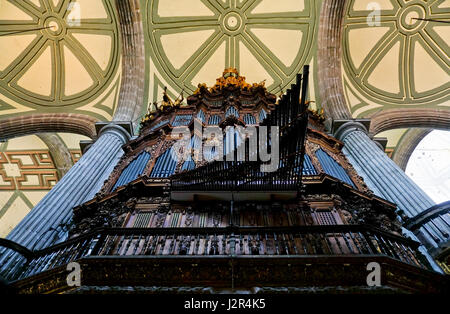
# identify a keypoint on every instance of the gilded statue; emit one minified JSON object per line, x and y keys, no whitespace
{"x":168,"y":103}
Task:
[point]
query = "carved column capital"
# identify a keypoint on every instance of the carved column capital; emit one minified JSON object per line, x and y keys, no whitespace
{"x":123,"y":129}
{"x":342,"y":128}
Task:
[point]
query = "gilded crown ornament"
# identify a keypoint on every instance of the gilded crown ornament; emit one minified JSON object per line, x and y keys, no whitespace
{"x":230,"y":78}
{"x":166,"y":105}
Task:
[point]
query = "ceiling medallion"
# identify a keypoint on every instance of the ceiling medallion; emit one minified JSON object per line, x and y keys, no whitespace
{"x":55,"y":28}
{"x":232,"y":22}
{"x":411,"y":19}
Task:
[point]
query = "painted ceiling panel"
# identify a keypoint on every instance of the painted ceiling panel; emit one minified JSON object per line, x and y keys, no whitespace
{"x":13,"y":46}
{"x":38,"y":78}
{"x":270,"y":6}
{"x":77,"y":78}
{"x":216,"y":62}
{"x":56,"y":3}
{"x":402,"y":61}
{"x":93,"y":9}
{"x":98,"y":46}
{"x":444,"y":34}
{"x":275,"y":40}
{"x":170,"y":8}
{"x":362,"y":41}
{"x":425,"y":83}
{"x":10,"y":12}
{"x":17,"y":210}
{"x":256,"y":71}
{"x":385,"y":76}
{"x":193,"y":42}
{"x":178,"y":57}
{"x":59,"y":55}
{"x":382,"y":65}
{"x":362,"y":5}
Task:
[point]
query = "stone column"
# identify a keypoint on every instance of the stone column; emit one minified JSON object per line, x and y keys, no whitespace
{"x":387,"y":180}
{"x":42,"y":226}
{"x":131,"y":97}
{"x":329,"y":59}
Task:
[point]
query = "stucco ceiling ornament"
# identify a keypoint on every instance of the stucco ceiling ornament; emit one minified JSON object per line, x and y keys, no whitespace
{"x":401,"y":61}
{"x":190,"y":42}
{"x":59,"y":53}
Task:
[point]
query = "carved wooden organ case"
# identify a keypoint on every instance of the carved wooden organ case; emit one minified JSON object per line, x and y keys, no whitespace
{"x":142,"y":192}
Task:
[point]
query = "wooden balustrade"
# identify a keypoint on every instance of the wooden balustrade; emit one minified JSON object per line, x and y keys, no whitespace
{"x":344,"y":240}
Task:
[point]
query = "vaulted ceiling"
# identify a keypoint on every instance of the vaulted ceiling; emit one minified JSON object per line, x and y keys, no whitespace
{"x":65,"y":55}
{"x":401,"y":63}
{"x":59,"y":55}
{"x":192,"y":42}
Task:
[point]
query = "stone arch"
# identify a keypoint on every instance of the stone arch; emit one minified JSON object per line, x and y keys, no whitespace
{"x":410,"y":118}
{"x":407,"y":145}
{"x":47,"y":122}
{"x":58,"y":151}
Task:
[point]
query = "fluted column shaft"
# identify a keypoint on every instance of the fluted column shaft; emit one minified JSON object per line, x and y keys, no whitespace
{"x":40,"y":227}
{"x":389,"y":181}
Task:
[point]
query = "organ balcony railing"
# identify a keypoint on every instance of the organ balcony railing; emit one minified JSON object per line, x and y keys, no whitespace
{"x":438,"y":214}
{"x":326,"y":240}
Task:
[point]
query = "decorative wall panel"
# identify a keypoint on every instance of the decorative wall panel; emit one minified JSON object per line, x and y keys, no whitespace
{"x":27,"y":173}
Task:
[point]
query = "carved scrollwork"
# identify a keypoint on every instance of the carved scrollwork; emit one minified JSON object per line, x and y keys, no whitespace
{"x":365,"y":211}
{"x":311,"y":149}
